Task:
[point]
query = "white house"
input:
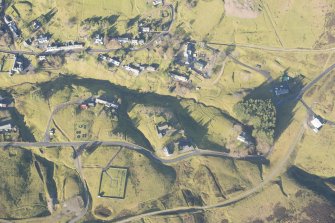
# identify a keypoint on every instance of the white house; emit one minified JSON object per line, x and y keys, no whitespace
{"x":141,"y":42}
{"x":145,"y":29}
{"x":99,"y":39}
{"x":114,"y":62}
{"x":106,"y":103}
{"x":6,"y":128}
{"x":242,"y":138}
{"x":123,"y":40}
{"x":17,"y":65}
{"x":134,"y":42}
{"x":316,"y":124}
{"x":66,"y":47}
{"x":3,"y":105}
{"x":111,"y":105}
{"x":41,"y":58}
{"x":100,"y":101}
{"x":42,"y":39}
{"x":179,"y":77}
{"x":157,"y":2}
{"x":151,"y":69}
{"x":135,"y":71}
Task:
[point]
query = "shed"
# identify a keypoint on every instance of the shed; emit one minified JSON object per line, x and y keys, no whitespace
{"x":316,"y":124}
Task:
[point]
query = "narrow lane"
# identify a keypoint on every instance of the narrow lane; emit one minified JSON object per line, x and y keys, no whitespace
{"x":127,"y":145}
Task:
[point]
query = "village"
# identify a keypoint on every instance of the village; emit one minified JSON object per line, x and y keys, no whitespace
{"x":194,"y":111}
{"x":192,"y":59}
{"x":141,"y":32}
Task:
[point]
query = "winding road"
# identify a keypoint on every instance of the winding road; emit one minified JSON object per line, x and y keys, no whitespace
{"x":315,"y":80}
{"x":127,"y":145}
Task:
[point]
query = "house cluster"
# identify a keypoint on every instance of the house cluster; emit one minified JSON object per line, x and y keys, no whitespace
{"x":316,"y":123}
{"x":133,"y":42}
{"x":40,"y":41}
{"x":192,"y":61}
{"x":146,"y":30}
{"x":178,"y":77}
{"x":65,"y":46}
{"x":110,"y":61}
{"x":136,"y":68}
{"x":12,"y":26}
{"x":183,"y":145}
{"x":157,"y":2}
{"x":92,"y":102}
{"x":19,"y":64}
{"x":189,"y":53}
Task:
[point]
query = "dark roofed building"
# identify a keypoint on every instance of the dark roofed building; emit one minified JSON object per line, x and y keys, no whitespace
{"x":185,"y":145}
{"x":12,"y":26}
{"x":162,"y":129}
{"x":200,"y":65}
{"x":281,"y":90}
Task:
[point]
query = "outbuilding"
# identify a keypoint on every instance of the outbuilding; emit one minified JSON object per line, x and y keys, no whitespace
{"x":316,"y":124}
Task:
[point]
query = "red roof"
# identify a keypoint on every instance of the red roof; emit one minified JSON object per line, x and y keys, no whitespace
{"x":83,"y":106}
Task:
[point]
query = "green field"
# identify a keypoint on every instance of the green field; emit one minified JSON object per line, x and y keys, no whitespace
{"x":22,"y":194}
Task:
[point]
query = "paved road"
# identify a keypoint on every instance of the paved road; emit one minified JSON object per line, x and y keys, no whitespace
{"x":299,"y":95}
{"x":127,"y":145}
{"x":315,"y":80}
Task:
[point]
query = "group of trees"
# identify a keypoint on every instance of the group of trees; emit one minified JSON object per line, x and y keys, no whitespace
{"x":98,"y":20}
{"x":261,"y":114}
